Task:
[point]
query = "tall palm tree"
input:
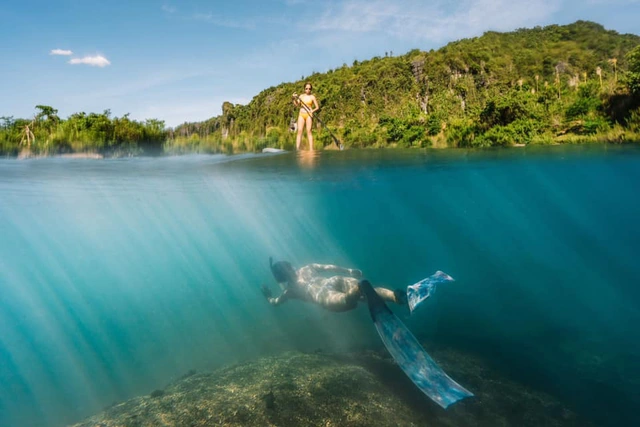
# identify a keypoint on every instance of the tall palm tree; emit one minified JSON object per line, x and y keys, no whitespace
{"x":27,"y":135}
{"x":614,"y":62}
{"x":50,"y":115}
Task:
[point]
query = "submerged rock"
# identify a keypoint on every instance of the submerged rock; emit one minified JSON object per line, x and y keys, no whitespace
{"x":322,"y":389}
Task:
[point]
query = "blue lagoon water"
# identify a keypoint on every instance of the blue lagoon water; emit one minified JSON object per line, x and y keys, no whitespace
{"x":117,"y":276}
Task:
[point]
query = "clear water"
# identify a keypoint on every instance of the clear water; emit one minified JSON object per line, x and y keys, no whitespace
{"x":118,"y":276}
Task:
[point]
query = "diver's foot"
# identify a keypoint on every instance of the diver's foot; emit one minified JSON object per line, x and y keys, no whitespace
{"x":400,"y":296}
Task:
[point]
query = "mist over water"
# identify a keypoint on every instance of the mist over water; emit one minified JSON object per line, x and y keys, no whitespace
{"x":118,"y":276}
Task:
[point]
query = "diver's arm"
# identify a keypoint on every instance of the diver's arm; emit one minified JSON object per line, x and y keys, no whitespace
{"x":279,"y":300}
{"x":353,"y":272}
{"x":274,"y":301}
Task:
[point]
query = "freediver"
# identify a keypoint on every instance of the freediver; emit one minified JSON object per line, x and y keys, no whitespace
{"x":329,"y":286}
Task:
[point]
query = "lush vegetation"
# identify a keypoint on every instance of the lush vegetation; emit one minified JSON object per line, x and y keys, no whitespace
{"x":572,"y":83}
{"x":46,"y":133}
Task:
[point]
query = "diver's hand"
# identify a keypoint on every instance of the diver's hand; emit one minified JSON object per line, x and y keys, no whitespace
{"x":265,"y":291}
{"x":354,"y":272}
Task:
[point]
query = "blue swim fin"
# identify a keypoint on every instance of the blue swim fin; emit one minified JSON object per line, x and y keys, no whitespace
{"x":422,"y":290}
{"x":409,"y":354}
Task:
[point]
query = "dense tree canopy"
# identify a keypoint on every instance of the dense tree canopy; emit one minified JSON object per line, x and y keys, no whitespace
{"x":633,"y":74}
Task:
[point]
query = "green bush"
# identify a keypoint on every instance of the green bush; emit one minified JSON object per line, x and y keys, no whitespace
{"x":395,"y":128}
{"x":461,"y":133}
{"x":518,"y":132}
{"x":633,"y":121}
{"x":595,"y":125}
{"x":414,"y":136}
{"x":434,"y":124}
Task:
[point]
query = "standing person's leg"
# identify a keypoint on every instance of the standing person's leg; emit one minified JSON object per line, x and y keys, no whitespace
{"x":301,"y":122}
{"x":309,"y":135}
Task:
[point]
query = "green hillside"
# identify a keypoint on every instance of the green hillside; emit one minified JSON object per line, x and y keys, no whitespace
{"x":542,"y":85}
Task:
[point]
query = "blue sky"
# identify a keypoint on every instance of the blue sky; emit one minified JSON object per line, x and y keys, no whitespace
{"x":179,"y":60}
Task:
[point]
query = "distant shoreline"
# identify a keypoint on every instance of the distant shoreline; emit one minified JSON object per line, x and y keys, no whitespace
{"x":25,"y":154}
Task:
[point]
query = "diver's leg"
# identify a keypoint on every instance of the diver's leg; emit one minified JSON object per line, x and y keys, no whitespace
{"x":349,"y":285}
{"x":338,"y":301}
{"x":398,"y":296}
{"x":385,"y":294}
{"x":338,"y":294}
{"x":309,"y":134}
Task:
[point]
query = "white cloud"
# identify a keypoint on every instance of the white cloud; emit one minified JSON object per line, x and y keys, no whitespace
{"x":437,"y":20}
{"x":168,"y":9}
{"x":94,"y":61}
{"x":60,"y":52}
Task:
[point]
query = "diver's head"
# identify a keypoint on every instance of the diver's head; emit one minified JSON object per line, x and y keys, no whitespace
{"x":282,"y":271}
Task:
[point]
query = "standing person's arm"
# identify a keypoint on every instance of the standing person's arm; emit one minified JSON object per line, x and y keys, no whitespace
{"x":316,"y":104}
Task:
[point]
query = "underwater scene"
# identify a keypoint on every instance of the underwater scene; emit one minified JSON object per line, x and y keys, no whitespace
{"x":140,"y":291}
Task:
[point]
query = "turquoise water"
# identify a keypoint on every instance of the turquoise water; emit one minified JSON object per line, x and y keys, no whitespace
{"x":118,"y":276}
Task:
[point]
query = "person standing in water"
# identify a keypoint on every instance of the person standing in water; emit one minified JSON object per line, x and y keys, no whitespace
{"x":329,"y":286}
{"x":308,"y":105}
